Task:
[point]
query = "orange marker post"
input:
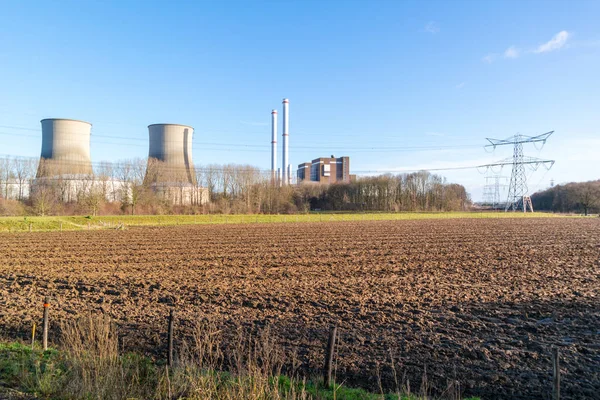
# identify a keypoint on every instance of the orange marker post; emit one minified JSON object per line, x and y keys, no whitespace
{"x":45,"y":331}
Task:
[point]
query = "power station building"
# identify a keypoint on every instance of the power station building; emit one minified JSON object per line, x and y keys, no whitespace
{"x":325,"y":170}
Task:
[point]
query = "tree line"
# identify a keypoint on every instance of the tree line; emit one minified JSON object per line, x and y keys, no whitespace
{"x":574,"y":197}
{"x":418,"y":191}
{"x":130,"y":187}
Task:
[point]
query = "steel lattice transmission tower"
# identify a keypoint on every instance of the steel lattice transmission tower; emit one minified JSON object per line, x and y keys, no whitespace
{"x":491,"y":191}
{"x":488,"y":195}
{"x":518,"y":179}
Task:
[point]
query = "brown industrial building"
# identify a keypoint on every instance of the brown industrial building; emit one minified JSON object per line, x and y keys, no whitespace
{"x":325,"y":170}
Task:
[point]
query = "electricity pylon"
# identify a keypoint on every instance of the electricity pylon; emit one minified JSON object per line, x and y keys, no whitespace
{"x":491,"y":191}
{"x":518,"y":179}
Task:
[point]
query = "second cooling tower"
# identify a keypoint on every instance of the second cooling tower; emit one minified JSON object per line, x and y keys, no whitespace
{"x":170,"y":154}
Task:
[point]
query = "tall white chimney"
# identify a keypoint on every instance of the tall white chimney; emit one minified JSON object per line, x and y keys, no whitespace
{"x":286,"y":126}
{"x":274,"y":146}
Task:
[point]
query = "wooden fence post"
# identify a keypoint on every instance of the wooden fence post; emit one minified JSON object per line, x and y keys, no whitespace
{"x":329,"y":352}
{"x":556,"y":373}
{"x":32,"y":336}
{"x":30,"y":227}
{"x":171,"y":323}
{"x":46,"y":323}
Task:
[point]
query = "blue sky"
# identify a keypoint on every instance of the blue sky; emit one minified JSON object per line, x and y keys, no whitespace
{"x":374,"y":80}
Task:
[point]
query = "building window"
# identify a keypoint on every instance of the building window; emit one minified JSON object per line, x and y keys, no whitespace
{"x":314,"y":172}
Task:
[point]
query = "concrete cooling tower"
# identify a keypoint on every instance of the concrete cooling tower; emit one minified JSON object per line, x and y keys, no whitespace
{"x":65,"y":148}
{"x":170,"y":154}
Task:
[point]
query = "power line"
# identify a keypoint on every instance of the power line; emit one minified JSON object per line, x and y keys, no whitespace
{"x":208,"y":131}
{"x":117,"y":164}
{"x":297,"y":135}
{"x":265,"y":147}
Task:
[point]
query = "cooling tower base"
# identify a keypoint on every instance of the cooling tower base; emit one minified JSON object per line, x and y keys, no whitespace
{"x":181,"y":194}
{"x":70,"y":189}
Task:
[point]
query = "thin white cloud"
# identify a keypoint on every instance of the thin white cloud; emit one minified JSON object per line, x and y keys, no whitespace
{"x":431,"y":27}
{"x":435,"y":134}
{"x":511,"y":52}
{"x":489,"y":58}
{"x":460,"y":85}
{"x":557,"y":42}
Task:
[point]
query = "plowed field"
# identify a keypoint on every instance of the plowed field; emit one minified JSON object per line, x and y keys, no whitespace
{"x":479,"y":301}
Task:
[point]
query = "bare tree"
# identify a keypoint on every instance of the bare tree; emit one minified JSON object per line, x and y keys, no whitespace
{"x":44,"y":197}
{"x":24,"y":170}
{"x":6,"y":175}
{"x":588,"y":196}
{"x":105,"y":180}
{"x":93,"y":199}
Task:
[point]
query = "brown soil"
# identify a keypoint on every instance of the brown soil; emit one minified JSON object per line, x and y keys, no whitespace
{"x":479,"y":301}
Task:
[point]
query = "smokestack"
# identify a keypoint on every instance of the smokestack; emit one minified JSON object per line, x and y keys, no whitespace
{"x":286,"y":125}
{"x":274,"y":145}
